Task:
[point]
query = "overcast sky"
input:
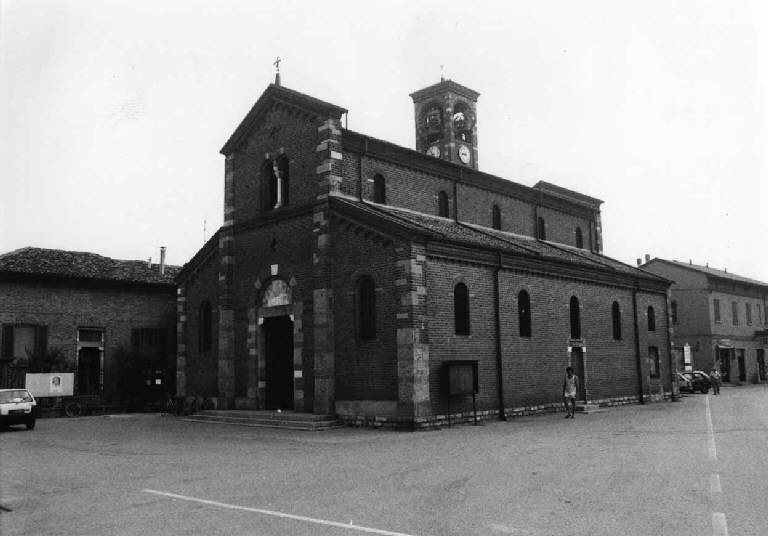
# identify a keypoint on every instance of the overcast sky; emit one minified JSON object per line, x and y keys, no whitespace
{"x":113,"y":112}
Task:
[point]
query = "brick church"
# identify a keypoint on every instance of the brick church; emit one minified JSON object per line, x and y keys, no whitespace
{"x":381,"y":284}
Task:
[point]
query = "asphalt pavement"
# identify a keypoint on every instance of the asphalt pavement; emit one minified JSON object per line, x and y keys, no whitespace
{"x":698,"y":467}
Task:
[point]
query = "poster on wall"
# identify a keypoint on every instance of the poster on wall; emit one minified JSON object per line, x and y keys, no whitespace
{"x":51,"y":384}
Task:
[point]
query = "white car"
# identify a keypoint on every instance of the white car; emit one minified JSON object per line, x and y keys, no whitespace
{"x":17,"y":406}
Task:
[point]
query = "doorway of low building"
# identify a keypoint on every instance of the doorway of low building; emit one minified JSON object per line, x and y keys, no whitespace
{"x":724,"y":356}
{"x":742,"y":365}
{"x":761,"y":364}
{"x":88,"y":371}
{"x":278,"y":350}
{"x":577,"y":362}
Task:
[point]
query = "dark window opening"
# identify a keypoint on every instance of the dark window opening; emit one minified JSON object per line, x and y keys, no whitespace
{"x":674,"y":312}
{"x":496,"y":223}
{"x":461,"y":309}
{"x":651,"y":319}
{"x":206,"y":326}
{"x":575,"y":318}
{"x":366,"y":292}
{"x":735,"y":309}
{"x":379,"y":190}
{"x":616,"y":317}
{"x":716,"y":307}
{"x":21,"y":340}
{"x":749,"y":313}
{"x":442,"y":204}
{"x":149,"y":341}
{"x":579,"y":238}
{"x":541,"y":229}
{"x":269,"y":185}
{"x":282,"y":172}
{"x":524,"y":313}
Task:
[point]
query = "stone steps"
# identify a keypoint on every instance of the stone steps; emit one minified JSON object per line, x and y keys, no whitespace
{"x":268,"y":419}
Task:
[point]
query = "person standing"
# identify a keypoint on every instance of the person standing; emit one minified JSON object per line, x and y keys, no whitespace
{"x":714,"y":377}
{"x":570,"y":388}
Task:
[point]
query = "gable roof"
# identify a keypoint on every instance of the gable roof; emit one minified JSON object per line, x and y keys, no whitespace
{"x":78,"y":265}
{"x":477,"y":236}
{"x":292,"y":98}
{"x":710,"y":272}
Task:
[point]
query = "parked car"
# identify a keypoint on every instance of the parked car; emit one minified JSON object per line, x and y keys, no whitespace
{"x":17,"y":406}
{"x":694,"y":380}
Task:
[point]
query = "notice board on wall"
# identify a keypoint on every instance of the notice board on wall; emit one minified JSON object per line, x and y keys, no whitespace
{"x":51,"y":384}
{"x":460,"y":377}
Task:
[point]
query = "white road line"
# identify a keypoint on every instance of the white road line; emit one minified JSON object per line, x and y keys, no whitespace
{"x":719,"y":524}
{"x":711,"y":434}
{"x":316,"y":521}
{"x":714,"y":483}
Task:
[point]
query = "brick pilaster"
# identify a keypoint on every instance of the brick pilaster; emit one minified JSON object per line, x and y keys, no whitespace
{"x":226,"y":348}
{"x":412,"y":341}
{"x":181,"y":346}
{"x":328,"y":172}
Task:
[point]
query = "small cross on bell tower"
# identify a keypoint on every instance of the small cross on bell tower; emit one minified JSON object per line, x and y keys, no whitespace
{"x":277,"y":70}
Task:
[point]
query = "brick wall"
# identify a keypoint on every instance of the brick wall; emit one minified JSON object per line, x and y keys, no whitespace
{"x":417,"y":190}
{"x":280,"y":129}
{"x":65,"y":308}
{"x":365,"y":369}
{"x":201,"y":367}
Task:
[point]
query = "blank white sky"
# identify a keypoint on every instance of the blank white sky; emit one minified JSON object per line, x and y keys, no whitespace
{"x":113,"y":112}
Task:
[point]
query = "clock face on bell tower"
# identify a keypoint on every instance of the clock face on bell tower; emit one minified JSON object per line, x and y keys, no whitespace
{"x":446,"y":122}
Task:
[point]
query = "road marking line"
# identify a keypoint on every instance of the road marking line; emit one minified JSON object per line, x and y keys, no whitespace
{"x":719,"y":524}
{"x":714,"y":483}
{"x":711,"y":434}
{"x":283,"y":515}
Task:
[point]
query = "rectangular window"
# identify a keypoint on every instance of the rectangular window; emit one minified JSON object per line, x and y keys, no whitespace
{"x":716,"y":304}
{"x":674,"y":312}
{"x":735,"y":310}
{"x":653,"y":361}
{"x":150,"y":341}
{"x":749,"y":313}
{"x":20,"y":340}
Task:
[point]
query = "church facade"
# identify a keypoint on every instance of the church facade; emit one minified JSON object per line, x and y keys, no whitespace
{"x":385,"y":285}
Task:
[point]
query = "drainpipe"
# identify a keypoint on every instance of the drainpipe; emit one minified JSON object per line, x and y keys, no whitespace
{"x":499,"y":364}
{"x":637,"y":345}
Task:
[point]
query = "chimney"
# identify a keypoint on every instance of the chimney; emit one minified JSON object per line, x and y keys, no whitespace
{"x":690,"y":261}
{"x":639,"y":261}
{"x":149,"y":263}
{"x":647,"y":258}
{"x":162,"y":260}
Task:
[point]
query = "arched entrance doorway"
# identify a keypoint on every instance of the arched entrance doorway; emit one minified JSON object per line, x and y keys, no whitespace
{"x":278,"y":357}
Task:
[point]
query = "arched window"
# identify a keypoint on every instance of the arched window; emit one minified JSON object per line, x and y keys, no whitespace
{"x":541,"y":229}
{"x":205,"y":326}
{"x":496,"y":218}
{"x":579,"y":238}
{"x":281,"y":170}
{"x":379,"y":190}
{"x":461,"y":309}
{"x":442,"y":204}
{"x":366,"y":308}
{"x":524,"y":313}
{"x":268,"y":185}
{"x":616,"y":317}
{"x":651,"y":319}
{"x":575,"y":318}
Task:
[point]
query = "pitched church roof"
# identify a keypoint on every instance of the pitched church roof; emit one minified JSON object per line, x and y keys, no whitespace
{"x":542,"y":252}
{"x":79,"y":265}
{"x":290,"y":97}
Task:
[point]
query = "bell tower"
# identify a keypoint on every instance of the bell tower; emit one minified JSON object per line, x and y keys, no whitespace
{"x":446,"y":122}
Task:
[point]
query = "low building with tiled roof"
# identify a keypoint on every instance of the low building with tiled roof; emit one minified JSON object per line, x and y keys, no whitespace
{"x":98,"y":314}
{"x":720,"y":319}
{"x":362,"y":279}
